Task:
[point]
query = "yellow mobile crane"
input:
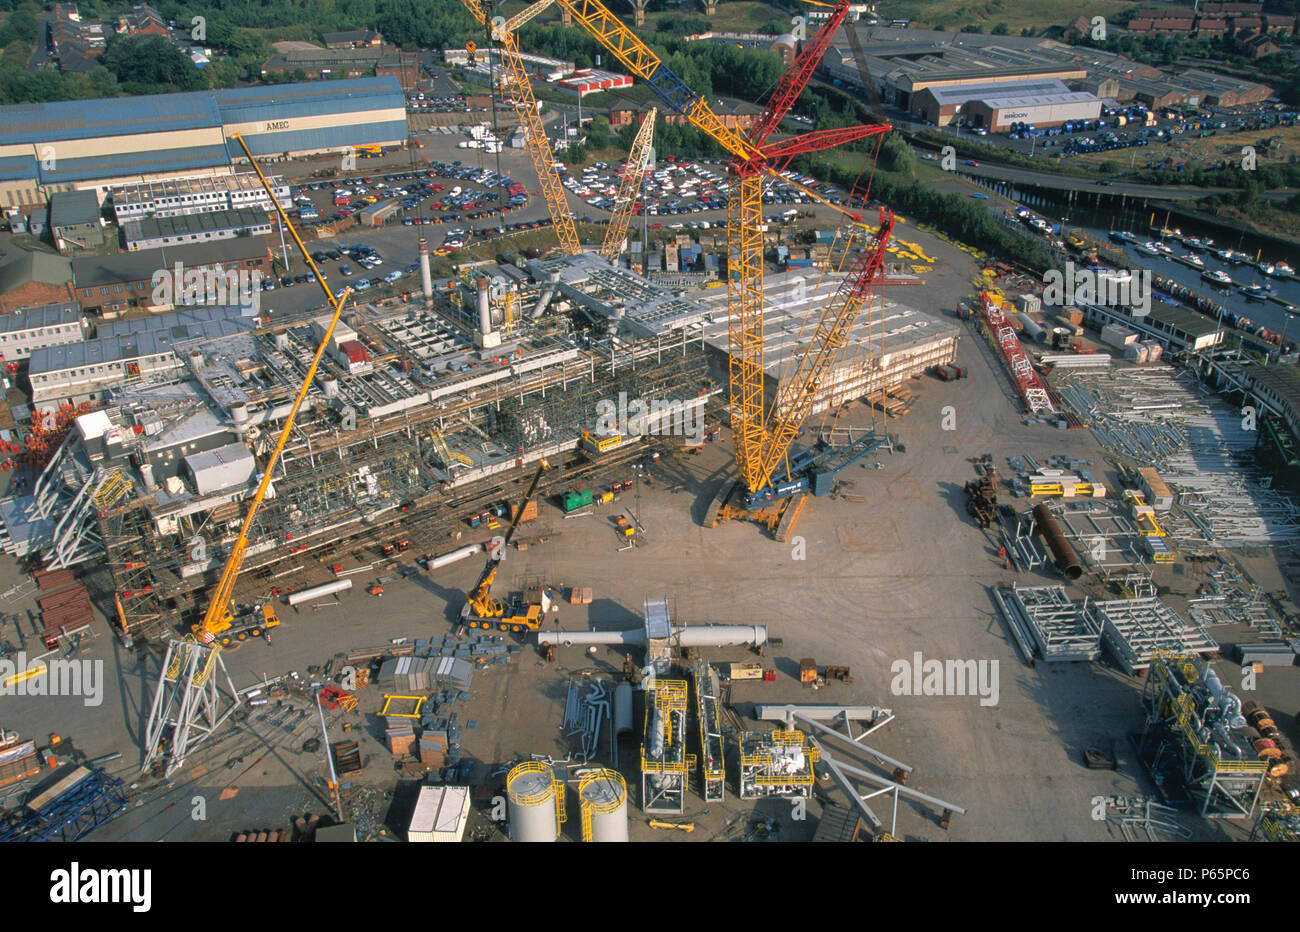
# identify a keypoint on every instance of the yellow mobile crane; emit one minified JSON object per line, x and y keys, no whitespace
{"x":520,"y":91}
{"x":188,"y":705}
{"x":638,"y":162}
{"x":481,"y":609}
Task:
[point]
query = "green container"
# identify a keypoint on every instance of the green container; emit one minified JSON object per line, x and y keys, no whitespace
{"x":575,"y":500}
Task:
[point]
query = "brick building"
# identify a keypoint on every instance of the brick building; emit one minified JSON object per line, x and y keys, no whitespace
{"x":33,"y":279}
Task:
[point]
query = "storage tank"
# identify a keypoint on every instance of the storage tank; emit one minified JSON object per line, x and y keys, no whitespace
{"x":330,"y":386}
{"x":603,"y":797}
{"x":1060,"y":337}
{"x":281,"y":339}
{"x":623,"y":709}
{"x":533,"y":792}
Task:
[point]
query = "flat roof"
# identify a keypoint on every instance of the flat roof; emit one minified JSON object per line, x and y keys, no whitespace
{"x":44,"y":315}
{"x":69,"y":207}
{"x":135,"y":346}
{"x":962,"y":93}
{"x":141,"y":191}
{"x":212,"y":221}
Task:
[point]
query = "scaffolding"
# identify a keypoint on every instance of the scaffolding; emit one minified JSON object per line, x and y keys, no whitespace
{"x":1194,"y":739}
{"x":713,"y":771}
{"x":665,"y":765}
{"x":777,"y":763}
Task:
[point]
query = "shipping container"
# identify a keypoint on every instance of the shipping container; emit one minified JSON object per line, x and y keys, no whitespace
{"x":441,"y":814}
{"x":575,"y":500}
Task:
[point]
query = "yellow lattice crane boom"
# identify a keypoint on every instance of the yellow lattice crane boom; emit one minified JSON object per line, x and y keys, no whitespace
{"x":219,"y":616}
{"x":630,"y":188}
{"x":762,"y":436}
{"x":520,"y":92}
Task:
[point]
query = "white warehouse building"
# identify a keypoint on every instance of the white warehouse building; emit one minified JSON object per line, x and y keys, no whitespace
{"x":997,"y":114}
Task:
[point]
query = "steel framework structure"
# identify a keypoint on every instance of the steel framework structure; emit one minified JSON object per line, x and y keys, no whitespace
{"x":713,"y":770}
{"x":73,"y":814}
{"x":665,"y":765}
{"x":1188,"y":737}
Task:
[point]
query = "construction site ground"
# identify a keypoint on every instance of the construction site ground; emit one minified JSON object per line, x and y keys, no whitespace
{"x":889,"y":567}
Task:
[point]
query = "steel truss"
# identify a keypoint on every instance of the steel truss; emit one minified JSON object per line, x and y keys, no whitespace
{"x":189,"y":703}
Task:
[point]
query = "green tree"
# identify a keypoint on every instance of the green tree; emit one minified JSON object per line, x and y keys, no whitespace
{"x":598,"y":133}
{"x":1001,"y":29}
{"x":149,"y":64}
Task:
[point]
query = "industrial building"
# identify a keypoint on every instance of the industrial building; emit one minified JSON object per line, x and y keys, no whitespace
{"x":149,"y":347}
{"x":942,"y":105}
{"x":997,"y":112}
{"x":182,"y":196}
{"x":592,"y":80}
{"x":75,"y":221}
{"x":1172,"y":327}
{"x":155,"y":232}
{"x":26,"y":330}
{"x":101,"y":144}
{"x":111,"y":285}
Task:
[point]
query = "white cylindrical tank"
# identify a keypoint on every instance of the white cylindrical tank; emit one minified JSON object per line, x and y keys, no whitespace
{"x":697,"y":636}
{"x":623,"y":709}
{"x":146,"y":476}
{"x":239,"y":413}
{"x":532,"y":790}
{"x":455,"y":555}
{"x":281,"y":338}
{"x":330,"y":386}
{"x":196,"y":361}
{"x":319,"y":592}
{"x":603,"y":797}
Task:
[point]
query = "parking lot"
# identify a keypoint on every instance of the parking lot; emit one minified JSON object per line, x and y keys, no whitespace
{"x":680,"y":186}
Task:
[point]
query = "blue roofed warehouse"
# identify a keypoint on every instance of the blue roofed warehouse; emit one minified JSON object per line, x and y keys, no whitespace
{"x":82,"y":144}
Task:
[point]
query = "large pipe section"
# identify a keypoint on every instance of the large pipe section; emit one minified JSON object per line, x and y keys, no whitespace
{"x":1063,"y":555}
{"x":319,"y":592}
{"x":462,"y":553}
{"x":1034,"y":329}
{"x":426,"y":277}
{"x":548,"y":294}
{"x":682,"y":636}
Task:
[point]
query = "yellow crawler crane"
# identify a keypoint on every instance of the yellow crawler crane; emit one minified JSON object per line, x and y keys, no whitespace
{"x":762,"y":436}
